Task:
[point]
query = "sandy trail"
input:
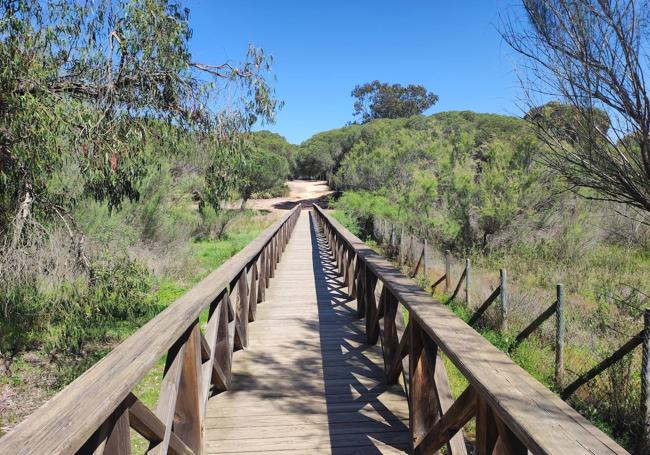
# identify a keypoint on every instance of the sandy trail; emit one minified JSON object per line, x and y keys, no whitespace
{"x":300,"y":191}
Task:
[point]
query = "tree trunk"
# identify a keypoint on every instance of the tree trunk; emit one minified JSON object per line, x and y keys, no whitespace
{"x":23,"y":214}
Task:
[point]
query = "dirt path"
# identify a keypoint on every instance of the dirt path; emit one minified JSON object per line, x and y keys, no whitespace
{"x":304,"y":191}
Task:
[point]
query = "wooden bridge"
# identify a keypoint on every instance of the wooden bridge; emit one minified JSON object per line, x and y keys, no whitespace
{"x":331,"y":350}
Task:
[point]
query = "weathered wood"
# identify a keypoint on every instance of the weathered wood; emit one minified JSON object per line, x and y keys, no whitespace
{"x":243,"y":301}
{"x":447,"y":271}
{"x":503,"y":294}
{"x":83,"y":406}
{"x":222,"y":360}
{"x":559,"y":336}
{"x":445,"y":402}
{"x":373,"y":328}
{"x":468,"y":281}
{"x":390,"y":342}
{"x":188,"y":415}
{"x":166,"y":407}
{"x":460,"y":282}
{"x":361,"y":290}
{"x":483,"y":308}
{"x":437,"y":282}
{"x":371,"y":313}
{"x":602,"y":366}
{"x":500,"y":382}
{"x":308,"y":382}
{"x":486,"y":428}
{"x":539,"y":320}
{"x":450,"y":424}
{"x":423,"y":404}
{"x":508,"y":443}
{"x":147,"y":424}
{"x":417,"y":265}
{"x":118,"y":441}
{"x":252,"y":292}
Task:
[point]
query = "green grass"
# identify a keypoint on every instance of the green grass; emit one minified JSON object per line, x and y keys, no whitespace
{"x":209,"y":255}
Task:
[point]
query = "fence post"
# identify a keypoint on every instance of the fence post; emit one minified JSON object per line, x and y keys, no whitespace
{"x":468,"y":281}
{"x":401,"y":247}
{"x":425,"y":258}
{"x":645,"y":383}
{"x":503,"y":284}
{"x":447,"y":272}
{"x":559,"y":336}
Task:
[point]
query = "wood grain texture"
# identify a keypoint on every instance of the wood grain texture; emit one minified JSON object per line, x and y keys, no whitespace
{"x":307,"y":383}
{"x":538,"y":418}
{"x":66,"y":422}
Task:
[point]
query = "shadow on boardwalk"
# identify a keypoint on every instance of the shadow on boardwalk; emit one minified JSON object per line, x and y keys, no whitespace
{"x":344,"y":353}
{"x":308,"y":383}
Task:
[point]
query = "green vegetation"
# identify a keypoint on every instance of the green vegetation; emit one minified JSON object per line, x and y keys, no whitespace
{"x":121,"y":173}
{"x":473,"y":184}
{"x":376,"y":100}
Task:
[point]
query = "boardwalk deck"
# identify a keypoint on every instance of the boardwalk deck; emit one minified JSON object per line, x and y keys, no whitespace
{"x":308,"y":383}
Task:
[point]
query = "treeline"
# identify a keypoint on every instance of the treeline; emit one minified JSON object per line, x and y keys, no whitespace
{"x":457,"y":177}
{"x":116,"y":152}
{"x":476,"y":184}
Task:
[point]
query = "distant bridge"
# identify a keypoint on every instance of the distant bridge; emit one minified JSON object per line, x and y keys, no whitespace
{"x":333,"y":350}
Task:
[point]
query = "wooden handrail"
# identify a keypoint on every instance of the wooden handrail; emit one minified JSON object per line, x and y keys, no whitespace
{"x":513,"y":411}
{"x":98,"y":408}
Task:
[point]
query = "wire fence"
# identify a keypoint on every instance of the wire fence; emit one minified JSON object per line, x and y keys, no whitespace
{"x":596,"y":358}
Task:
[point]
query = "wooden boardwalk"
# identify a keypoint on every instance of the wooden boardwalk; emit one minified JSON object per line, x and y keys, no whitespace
{"x":308,"y":383}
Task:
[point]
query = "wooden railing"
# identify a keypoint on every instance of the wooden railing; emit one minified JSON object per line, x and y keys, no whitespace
{"x":514,"y":414}
{"x":94,"y":414}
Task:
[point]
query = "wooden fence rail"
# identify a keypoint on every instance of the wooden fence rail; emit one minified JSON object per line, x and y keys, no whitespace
{"x":94,"y":414}
{"x":514,"y":413}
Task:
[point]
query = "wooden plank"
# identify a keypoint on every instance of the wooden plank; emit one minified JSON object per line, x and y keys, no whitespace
{"x":308,"y":382}
{"x":62,"y":425}
{"x":483,"y":308}
{"x":166,"y":406}
{"x":188,"y":414}
{"x":118,"y":441}
{"x":147,"y":424}
{"x":528,"y":408}
{"x":423,"y":400}
{"x":450,"y":424}
{"x":445,"y":402}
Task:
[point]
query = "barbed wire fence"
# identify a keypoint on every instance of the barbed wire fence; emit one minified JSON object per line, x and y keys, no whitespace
{"x":599,"y":363}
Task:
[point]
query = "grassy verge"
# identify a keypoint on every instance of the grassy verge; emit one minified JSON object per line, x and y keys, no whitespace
{"x":35,"y":375}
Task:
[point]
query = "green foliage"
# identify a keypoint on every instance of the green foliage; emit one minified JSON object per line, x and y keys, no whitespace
{"x":375,"y":100}
{"x":93,"y":89}
{"x":276,"y":145}
{"x":361,"y":207}
{"x":458,"y":177}
{"x":239,"y":173}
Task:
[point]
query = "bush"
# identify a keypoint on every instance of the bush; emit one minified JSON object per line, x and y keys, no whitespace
{"x":277,"y":191}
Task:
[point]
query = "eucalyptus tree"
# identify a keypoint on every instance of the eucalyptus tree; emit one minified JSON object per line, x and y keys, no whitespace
{"x":84,"y":89}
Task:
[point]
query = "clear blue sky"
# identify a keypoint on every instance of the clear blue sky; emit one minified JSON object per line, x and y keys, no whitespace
{"x":323,"y":49}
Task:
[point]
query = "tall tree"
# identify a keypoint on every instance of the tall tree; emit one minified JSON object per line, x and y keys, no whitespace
{"x":592,"y":55}
{"x":84,"y":87}
{"x":382,"y":100}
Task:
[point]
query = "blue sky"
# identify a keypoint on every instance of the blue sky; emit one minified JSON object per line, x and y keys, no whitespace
{"x":323,"y":49}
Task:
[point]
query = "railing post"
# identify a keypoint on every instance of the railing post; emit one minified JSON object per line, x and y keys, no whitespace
{"x":645,"y":383}
{"x":188,"y":418}
{"x":503,"y":295}
{"x":559,"y":336}
{"x":361,"y":285}
{"x":425,"y":258}
{"x":447,"y":272}
{"x":468,"y":281}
